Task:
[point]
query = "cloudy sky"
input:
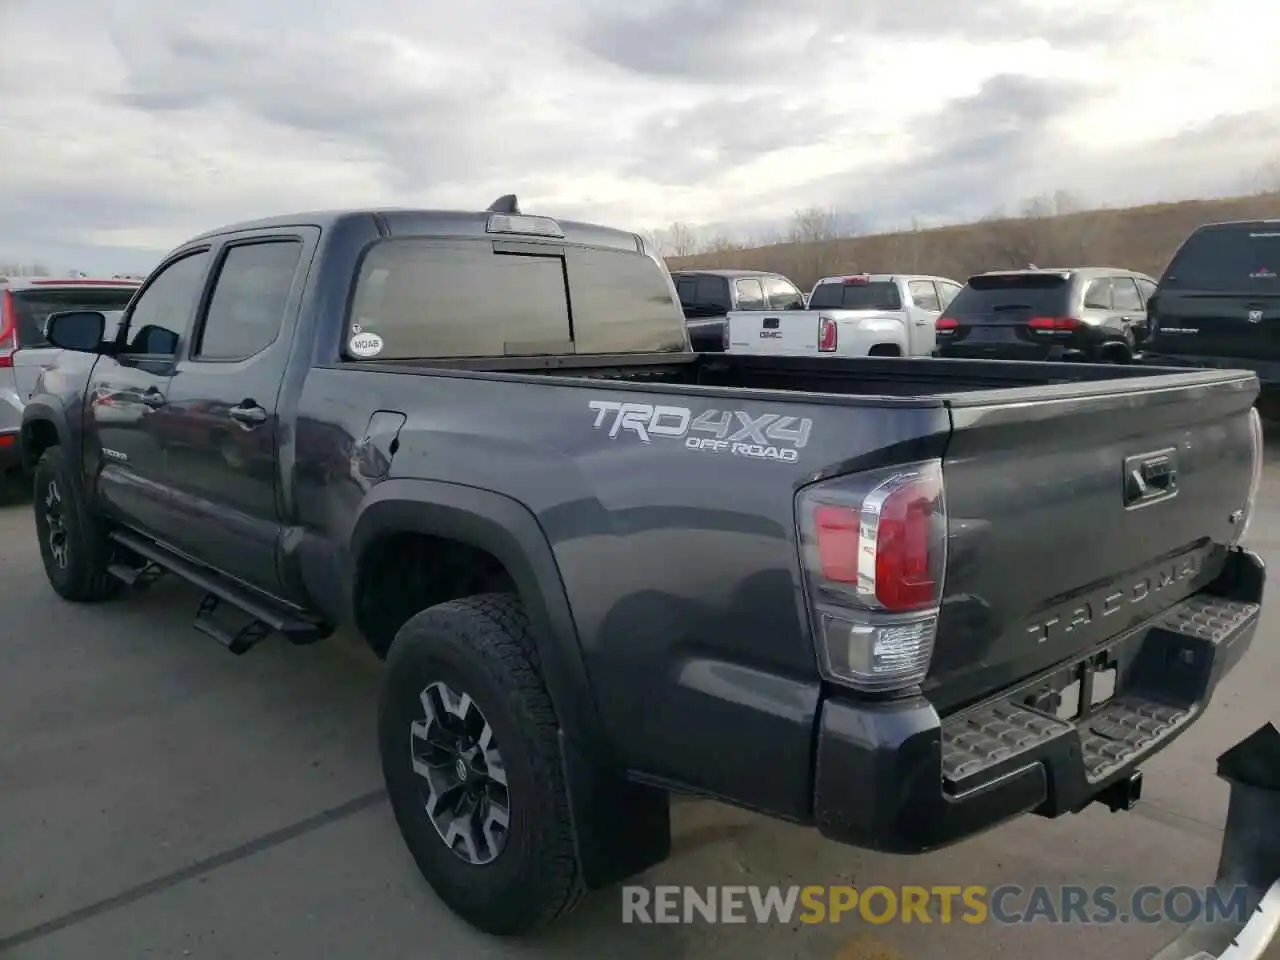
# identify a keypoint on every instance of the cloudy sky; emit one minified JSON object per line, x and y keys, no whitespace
{"x":127,"y":126}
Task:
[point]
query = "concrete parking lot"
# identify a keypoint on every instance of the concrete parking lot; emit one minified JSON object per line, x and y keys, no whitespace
{"x":161,"y":798}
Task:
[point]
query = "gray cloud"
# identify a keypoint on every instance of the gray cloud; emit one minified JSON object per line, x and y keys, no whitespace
{"x":720,"y":40}
{"x":634,"y":114}
{"x":684,"y":146}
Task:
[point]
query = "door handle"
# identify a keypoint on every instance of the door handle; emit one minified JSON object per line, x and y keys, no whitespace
{"x":249,"y":413}
{"x":153,"y":398}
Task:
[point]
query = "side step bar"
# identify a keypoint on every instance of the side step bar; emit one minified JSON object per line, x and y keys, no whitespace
{"x":265,"y":615}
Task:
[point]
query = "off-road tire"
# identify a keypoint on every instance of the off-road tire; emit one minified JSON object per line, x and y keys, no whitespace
{"x":482,"y":646}
{"x":84,"y":577}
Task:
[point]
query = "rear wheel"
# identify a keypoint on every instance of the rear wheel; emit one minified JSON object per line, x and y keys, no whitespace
{"x":73,"y":542}
{"x":470,"y":754}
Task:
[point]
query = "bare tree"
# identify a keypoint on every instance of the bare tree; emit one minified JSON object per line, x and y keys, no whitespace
{"x":680,"y":240}
{"x":1266,"y":179}
{"x":720,"y":243}
{"x":813,"y":225}
{"x":23,"y":270}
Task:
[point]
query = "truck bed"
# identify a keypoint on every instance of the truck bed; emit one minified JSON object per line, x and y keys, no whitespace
{"x":931,"y":381}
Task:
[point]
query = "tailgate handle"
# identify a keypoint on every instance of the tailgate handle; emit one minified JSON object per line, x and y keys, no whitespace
{"x":1150,"y":477}
{"x":771,"y":323}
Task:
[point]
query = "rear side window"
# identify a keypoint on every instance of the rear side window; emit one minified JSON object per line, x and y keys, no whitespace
{"x":782,"y":294}
{"x":870,"y":295}
{"x":750,"y":295}
{"x":246,"y":311}
{"x":1097,"y":296}
{"x":442,"y":298}
{"x":34,"y":305}
{"x":1234,"y":259}
{"x":923,"y":295}
{"x":1042,"y":294}
{"x":1124,"y":294}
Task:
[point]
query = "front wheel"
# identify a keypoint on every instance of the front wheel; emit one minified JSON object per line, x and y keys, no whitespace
{"x":470,"y":753}
{"x":73,"y":543}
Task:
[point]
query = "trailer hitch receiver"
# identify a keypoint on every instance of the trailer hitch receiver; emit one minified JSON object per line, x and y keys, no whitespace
{"x":1123,"y":794}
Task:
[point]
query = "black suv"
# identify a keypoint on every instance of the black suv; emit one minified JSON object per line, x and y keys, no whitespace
{"x":706,"y":296}
{"x":1218,"y":302}
{"x":1091,"y":314}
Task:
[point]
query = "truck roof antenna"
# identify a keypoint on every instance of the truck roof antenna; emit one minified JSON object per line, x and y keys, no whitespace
{"x":506,"y":204}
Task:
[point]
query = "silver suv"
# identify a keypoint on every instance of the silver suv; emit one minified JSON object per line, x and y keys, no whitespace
{"x":25,"y":304}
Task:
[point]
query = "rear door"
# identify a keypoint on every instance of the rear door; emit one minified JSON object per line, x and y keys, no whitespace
{"x":926,"y":307}
{"x":1010,"y":314}
{"x":1220,"y":296}
{"x":1128,"y":307}
{"x":220,"y":421}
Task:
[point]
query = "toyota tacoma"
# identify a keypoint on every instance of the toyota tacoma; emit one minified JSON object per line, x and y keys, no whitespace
{"x":899,"y":600}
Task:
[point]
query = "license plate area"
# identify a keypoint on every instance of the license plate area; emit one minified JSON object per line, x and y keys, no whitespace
{"x":1078,"y":692}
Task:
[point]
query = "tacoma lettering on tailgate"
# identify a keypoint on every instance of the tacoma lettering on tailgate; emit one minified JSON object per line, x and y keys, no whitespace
{"x":768,"y":436}
{"x":1094,"y":607}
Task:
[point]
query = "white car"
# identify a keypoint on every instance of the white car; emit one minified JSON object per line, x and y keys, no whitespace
{"x":864,"y":315}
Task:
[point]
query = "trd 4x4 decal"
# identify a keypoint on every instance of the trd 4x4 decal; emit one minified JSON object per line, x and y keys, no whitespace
{"x":767,"y":436}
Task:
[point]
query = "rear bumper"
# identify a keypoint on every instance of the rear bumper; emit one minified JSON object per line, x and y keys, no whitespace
{"x":894,"y":777}
{"x":1268,"y":371}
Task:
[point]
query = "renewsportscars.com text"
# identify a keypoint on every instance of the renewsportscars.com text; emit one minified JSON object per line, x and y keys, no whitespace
{"x":1005,"y":904}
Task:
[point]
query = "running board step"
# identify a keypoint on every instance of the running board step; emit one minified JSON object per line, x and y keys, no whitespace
{"x":132,"y":576}
{"x":265,"y":616}
{"x":239,"y":641}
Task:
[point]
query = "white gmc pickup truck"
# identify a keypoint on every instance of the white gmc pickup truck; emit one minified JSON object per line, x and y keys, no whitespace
{"x":868,"y":315}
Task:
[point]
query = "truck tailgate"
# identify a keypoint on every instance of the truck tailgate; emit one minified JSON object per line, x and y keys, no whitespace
{"x":1081,"y":512}
{"x":786,"y":332}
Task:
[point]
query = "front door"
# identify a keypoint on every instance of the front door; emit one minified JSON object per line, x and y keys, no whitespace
{"x":124,"y":451}
{"x":221,"y":415}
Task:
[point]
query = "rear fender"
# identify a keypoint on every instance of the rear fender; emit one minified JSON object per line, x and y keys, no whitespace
{"x":600,"y":797}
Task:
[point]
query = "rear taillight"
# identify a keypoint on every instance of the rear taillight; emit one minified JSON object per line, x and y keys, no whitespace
{"x":1255,"y":434}
{"x":827,"y":335}
{"x":946,"y":324}
{"x":8,"y":328}
{"x":724,"y":335}
{"x":1053,"y":324}
{"x":874,"y":549}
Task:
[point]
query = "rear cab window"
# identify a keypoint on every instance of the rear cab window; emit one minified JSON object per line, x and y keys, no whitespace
{"x":421,"y":298}
{"x":1042,"y":294}
{"x":33,"y":305}
{"x":856,"y":294}
{"x":702,"y":296}
{"x":1230,"y":259}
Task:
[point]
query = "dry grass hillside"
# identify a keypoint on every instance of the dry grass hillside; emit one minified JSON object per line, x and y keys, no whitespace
{"x":1137,"y":238}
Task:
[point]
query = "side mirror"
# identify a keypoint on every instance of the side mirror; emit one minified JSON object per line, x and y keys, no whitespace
{"x":153,"y":339}
{"x":79,"y":330}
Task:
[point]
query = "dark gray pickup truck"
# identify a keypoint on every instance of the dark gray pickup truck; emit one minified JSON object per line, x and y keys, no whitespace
{"x":900,"y":600}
